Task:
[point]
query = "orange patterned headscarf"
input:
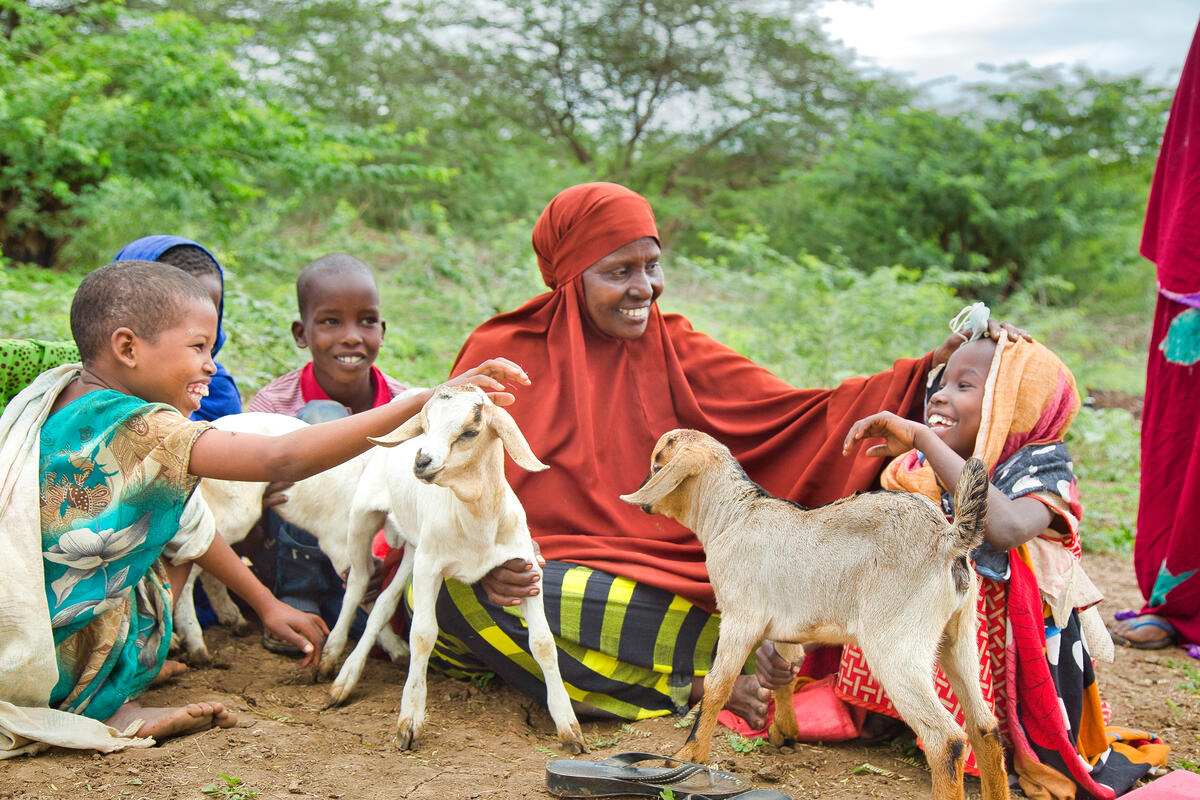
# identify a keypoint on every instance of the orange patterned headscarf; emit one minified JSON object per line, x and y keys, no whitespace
{"x":1029,"y":398}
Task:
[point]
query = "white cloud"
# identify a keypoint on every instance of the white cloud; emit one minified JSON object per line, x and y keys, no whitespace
{"x":935,"y":39}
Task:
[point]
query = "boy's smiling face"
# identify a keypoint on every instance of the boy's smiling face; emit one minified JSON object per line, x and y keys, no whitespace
{"x":176,"y":367}
{"x":955,"y":410}
{"x":342,"y":328}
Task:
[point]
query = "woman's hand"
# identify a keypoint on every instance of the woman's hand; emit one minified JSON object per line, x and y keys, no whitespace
{"x":306,"y":631}
{"x":942,"y":354}
{"x":899,"y":434}
{"x":773,"y":670}
{"x":514,"y":580}
{"x":490,"y":376}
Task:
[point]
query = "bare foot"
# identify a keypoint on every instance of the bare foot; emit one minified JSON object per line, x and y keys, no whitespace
{"x":170,"y":669}
{"x":748,"y":700}
{"x":1146,"y":631}
{"x":164,"y":723}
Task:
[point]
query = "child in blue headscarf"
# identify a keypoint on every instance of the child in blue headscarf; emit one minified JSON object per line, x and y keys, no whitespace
{"x":194,"y":259}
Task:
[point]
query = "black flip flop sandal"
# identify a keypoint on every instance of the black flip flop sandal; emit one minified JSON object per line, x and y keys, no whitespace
{"x":619,"y":776}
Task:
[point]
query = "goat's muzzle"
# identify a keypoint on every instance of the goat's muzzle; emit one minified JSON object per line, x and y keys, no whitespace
{"x":422,"y":467}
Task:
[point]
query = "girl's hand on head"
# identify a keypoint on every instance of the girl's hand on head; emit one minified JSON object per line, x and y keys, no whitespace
{"x":306,"y":631}
{"x":773,"y":670}
{"x":491,"y":376}
{"x":899,"y":434}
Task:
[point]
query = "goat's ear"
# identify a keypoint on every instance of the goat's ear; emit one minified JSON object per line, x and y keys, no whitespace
{"x":514,"y":441}
{"x":663,"y":482}
{"x":411,"y":429}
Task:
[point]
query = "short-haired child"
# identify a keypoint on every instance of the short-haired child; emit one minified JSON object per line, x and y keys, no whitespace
{"x":1011,"y":403}
{"x":341,"y":325}
{"x":223,"y":397}
{"x":99,"y":517}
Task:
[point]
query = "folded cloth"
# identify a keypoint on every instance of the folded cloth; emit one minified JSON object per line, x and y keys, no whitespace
{"x":821,"y":715}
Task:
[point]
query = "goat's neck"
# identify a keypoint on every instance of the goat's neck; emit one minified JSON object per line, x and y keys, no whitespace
{"x":719,"y":500}
{"x":480,"y":490}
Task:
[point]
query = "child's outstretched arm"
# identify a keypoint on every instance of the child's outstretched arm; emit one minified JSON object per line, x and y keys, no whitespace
{"x":294,"y":456}
{"x":306,"y":631}
{"x":1009,"y":522}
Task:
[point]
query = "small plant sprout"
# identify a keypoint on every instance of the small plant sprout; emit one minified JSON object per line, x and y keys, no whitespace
{"x":231,"y":789}
{"x":741,"y":744}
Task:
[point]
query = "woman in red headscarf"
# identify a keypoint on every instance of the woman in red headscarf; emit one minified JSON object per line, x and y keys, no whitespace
{"x":1166,"y":550}
{"x":627,"y":593}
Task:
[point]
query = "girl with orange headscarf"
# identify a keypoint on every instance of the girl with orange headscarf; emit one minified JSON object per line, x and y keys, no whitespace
{"x":1010,"y":403}
{"x":627,"y":593}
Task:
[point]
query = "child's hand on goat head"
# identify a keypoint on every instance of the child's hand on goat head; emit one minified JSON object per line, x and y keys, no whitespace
{"x":899,"y":434}
{"x":491,"y":376}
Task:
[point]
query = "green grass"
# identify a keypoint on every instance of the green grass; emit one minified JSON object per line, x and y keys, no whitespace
{"x":811,"y":323}
{"x":1191,"y":675}
{"x":230,"y":788}
{"x":742,"y":744}
{"x":1105,"y":446}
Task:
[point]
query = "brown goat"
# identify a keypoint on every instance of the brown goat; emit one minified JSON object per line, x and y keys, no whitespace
{"x":882,"y":570}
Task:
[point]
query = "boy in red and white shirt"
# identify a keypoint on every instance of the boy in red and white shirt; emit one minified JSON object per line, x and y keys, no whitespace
{"x":340,"y":324}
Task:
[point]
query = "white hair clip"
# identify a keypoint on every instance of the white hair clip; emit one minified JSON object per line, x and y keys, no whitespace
{"x":972,"y":322}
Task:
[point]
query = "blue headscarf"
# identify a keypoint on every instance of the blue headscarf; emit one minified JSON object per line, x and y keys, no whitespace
{"x":223,"y":396}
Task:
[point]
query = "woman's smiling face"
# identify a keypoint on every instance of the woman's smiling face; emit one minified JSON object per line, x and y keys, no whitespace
{"x":620,"y":288}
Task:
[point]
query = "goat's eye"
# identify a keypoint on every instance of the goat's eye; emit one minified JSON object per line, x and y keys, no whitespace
{"x":468,"y":435}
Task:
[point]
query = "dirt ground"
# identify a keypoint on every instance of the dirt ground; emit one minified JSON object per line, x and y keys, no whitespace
{"x":491,"y":742}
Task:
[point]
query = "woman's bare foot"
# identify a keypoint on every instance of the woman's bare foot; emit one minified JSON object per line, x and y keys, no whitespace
{"x":164,"y":723}
{"x":1144,"y":632}
{"x":170,"y":669}
{"x":748,"y":700}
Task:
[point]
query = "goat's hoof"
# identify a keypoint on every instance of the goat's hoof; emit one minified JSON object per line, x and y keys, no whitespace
{"x":338,"y":694}
{"x":241,"y":628}
{"x":778,"y":737}
{"x":327,"y":670}
{"x":571,"y":739}
{"x":406,"y":737}
{"x":198,"y":658}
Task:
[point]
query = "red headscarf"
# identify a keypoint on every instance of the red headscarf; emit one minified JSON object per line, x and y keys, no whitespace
{"x":598,"y":404}
{"x":1171,"y":237}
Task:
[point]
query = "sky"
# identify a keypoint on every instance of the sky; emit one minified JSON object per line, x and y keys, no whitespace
{"x":926,"y":40}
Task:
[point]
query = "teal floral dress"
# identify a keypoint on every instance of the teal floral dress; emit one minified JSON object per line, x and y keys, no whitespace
{"x":115,"y":496}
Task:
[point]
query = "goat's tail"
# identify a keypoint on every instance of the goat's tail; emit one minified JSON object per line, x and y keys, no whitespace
{"x":970,"y":505}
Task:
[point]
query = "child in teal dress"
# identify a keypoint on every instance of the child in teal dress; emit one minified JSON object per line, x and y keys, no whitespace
{"x":101,"y":460}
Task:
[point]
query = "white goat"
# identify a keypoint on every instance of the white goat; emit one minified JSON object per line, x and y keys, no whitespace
{"x":460,"y":519}
{"x":318,"y":504}
{"x":882,"y":570}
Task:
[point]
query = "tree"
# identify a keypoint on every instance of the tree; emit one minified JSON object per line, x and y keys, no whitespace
{"x":92,"y":94}
{"x":1042,"y":183}
{"x":662,"y":91}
